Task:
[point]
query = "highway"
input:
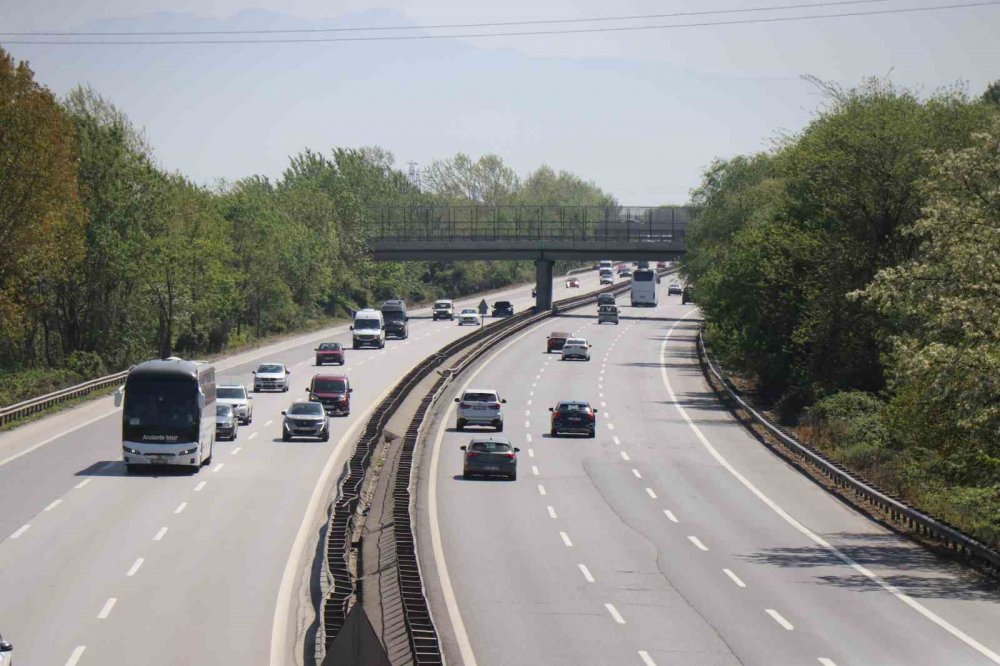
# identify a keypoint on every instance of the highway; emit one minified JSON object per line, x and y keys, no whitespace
{"x":97,"y":567}
{"x":673,"y":537}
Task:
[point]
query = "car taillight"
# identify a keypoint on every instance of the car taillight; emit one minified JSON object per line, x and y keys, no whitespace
{"x":591,"y":416}
{"x":556,"y":415}
{"x":494,"y":405}
{"x":471,"y":454}
{"x":511,"y":455}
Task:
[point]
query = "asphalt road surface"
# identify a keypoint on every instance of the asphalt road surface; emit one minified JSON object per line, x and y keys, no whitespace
{"x":166,"y":567}
{"x":673,"y":537}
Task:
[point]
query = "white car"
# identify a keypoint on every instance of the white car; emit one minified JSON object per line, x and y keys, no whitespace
{"x":576,"y":348}
{"x":468,"y":316}
{"x":443,"y":309}
{"x":236,"y":395}
{"x":480,"y":407}
{"x":6,"y":653}
{"x":270,"y":377}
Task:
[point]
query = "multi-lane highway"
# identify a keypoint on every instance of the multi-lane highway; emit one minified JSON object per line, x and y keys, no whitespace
{"x":97,"y":567}
{"x":673,"y":537}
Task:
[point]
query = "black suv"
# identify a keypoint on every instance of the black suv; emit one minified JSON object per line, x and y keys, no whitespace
{"x":503,"y":309}
{"x":394,"y":314}
{"x":573,"y":416}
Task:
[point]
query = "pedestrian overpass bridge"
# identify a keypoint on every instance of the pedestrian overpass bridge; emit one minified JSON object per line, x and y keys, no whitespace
{"x":543,"y":234}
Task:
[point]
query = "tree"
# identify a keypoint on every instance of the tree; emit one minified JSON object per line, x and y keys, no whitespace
{"x":486,"y":181}
{"x":992,"y":94}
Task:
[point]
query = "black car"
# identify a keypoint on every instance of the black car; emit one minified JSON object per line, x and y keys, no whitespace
{"x":573,"y":416}
{"x":503,"y":309}
{"x":396,"y":319}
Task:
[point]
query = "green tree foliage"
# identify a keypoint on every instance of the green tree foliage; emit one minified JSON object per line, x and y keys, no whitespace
{"x":992,"y":94}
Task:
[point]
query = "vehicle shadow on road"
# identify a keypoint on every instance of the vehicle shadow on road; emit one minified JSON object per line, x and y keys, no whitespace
{"x":117,"y":468}
{"x":459,"y":477}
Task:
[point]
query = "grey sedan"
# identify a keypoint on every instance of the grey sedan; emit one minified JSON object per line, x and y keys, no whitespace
{"x":490,"y":456}
{"x":226,"y":422}
{"x":305,"y":419}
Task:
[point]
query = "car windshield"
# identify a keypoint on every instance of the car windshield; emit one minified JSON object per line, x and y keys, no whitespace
{"x":223,"y":410}
{"x":366,"y":323}
{"x":441,"y":305}
{"x":306,"y":408}
{"x":271,"y":369}
{"x":469,"y":311}
{"x":675,"y":284}
{"x":502,"y":304}
{"x":394,"y":315}
{"x":573,"y":407}
{"x":480,"y":397}
{"x":558,"y":335}
{"x":329,"y":386}
{"x":329,"y":346}
{"x":575,"y":342}
{"x":231,"y":392}
{"x":490,"y":447}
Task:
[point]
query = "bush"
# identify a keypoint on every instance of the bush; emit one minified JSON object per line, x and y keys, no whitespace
{"x":26,"y":384}
{"x":87,"y":365}
{"x":848,"y":420}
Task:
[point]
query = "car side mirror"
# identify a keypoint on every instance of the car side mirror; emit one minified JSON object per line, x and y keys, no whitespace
{"x":350,"y":390}
{"x":307,"y":388}
{"x":517,"y":450}
{"x":352,"y":327}
{"x":287,"y":371}
{"x":282,"y":412}
{"x":253,"y":372}
{"x":552,"y":409}
{"x":316,"y":349}
{"x":119,"y":397}
{"x":504,"y":401}
{"x":458,"y":400}
{"x":463,"y":447}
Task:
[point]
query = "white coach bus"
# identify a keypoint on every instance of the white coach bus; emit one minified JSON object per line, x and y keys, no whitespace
{"x":644,"y":291}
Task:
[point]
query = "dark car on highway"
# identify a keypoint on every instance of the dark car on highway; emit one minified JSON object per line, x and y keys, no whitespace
{"x":333,"y":392}
{"x":490,"y":456}
{"x":330,"y":352}
{"x":687,"y":296}
{"x":226,"y":422}
{"x":576,"y":416}
{"x":503,"y":309}
{"x":555,"y":341}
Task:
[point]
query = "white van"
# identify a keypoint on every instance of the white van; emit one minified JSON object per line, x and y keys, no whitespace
{"x":605,"y":265}
{"x":369,"y":329}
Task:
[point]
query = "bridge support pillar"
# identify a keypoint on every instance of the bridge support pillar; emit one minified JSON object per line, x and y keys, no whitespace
{"x":543,"y":284}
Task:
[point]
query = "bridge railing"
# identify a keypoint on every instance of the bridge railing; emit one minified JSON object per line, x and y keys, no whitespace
{"x":617,"y":224}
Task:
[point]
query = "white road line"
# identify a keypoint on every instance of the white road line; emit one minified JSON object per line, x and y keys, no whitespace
{"x":74,"y":658}
{"x":534,"y":470}
{"x":528,"y":403}
{"x":252,"y":435}
{"x":617,"y":441}
{"x":733,"y":577}
{"x":53,"y":505}
{"x":776,"y":616}
{"x":649,"y":491}
{"x":624,"y":456}
{"x":106,"y":610}
{"x":135,"y":567}
{"x":527,"y":412}
{"x":670,"y":514}
{"x":533,"y":385}
{"x":537,"y":377}
{"x":82,"y":484}
{"x":159,"y":535}
{"x":615,"y":614}
{"x":600,"y":395}
{"x":826,"y":662}
{"x":527,"y":437}
{"x":636,"y":473}
{"x":552,"y":511}
{"x":218,"y":467}
{"x":802,"y":529}
{"x":20,"y":530}
{"x":268,"y":423}
{"x":541,"y":490}
{"x":586,"y":572}
{"x":611,"y":426}
{"x":604,"y":404}
{"x":531,"y":393}
{"x":236,"y":450}
{"x":565,"y":538}
{"x":200,"y":485}
{"x":180,"y":507}
{"x":697,"y":543}
{"x":646,"y":659}
{"x":606,"y":415}
{"x":527,"y":424}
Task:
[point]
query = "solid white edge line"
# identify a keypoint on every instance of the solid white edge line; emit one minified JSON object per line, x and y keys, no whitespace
{"x":106,"y":610}
{"x":733,"y":577}
{"x":53,"y":438}
{"x":616,"y":616}
{"x":802,"y":529}
{"x":74,"y":658}
{"x":566,"y":540}
{"x":135,"y":567}
{"x":646,"y":659}
{"x":586,"y":572}
{"x":776,"y":616}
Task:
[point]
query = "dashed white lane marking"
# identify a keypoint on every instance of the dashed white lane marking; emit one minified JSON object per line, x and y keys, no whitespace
{"x":268,"y":423}
{"x":528,"y":403}
{"x":604,"y":404}
{"x":527,"y":412}
{"x":649,"y":491}
{"x":534,"y":470}
{"x":252,"y":435}
{"x":697,"y":543}
{"x":611,"y":426}
{"x":616,"y":616}
{"x":218,"y":467}
{"x":74,"y":658}
{"x":586,"y":572}
{"x":159,"y":535}
{"x":670,"y":514}
{"x":82,"y":484}
{"x":617,"y":441}
{"x":636,"y":473}
{"x":531,"y":453}
{"x":776,"y":616}
{"x":565,"y":538}
{"x":606,"y":415}
{"x":200,"y":485}
{"x":527,"y":424}
{"x":733,"y":577}
{"x":537,"y":377}
{"x":600,"y":395}
{"x":646,"y":659}
{"x":533,"y":385}
{"x":181,"y":507}
{"x":527,"y":437}
{"x":20,"y":530}
{"x":826,"y":662}
{"x":552,"y":511}
{"x":135,"y":567}
{"x":625,"y":456}
{"x":531,"y":393}
{"x":236,"y":450}
{"x":541,"y":490}
{"x":53,"y":505}
{"x":106,"y":610}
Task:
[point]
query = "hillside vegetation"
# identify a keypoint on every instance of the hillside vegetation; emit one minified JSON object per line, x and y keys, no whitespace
{"x":853,"y":275}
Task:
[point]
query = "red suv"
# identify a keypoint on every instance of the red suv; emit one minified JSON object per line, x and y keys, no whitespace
{"x":333,"y":391}
{"x":555,"y":341}
{"x":329,"y":352}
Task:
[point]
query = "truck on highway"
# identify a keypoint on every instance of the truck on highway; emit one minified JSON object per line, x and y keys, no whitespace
{"x":169,"y":413}
{"x":644,"y":283}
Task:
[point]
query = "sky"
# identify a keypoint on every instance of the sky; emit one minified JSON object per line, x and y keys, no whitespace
{"x":641,"y":113}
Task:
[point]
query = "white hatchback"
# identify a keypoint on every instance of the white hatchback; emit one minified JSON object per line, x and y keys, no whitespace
{"x":480,"y":407}
{"x":576,"y":348}
{"x":468,"y":316}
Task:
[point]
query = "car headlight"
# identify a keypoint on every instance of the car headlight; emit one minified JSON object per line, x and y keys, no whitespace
{"x":188,"y":452}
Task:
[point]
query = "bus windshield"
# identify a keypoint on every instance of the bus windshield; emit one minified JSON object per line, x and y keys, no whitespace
{"x":642,"y":276}
{"x":161,"y":412}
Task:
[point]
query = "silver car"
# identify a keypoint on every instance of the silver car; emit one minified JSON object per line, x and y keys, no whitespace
{"x":305,"y":419}
{"x":480,"y":407}
{"x":226,"y":422}
{"x":270,"y":377}
{"x":237,"y":396}
{"x":468,"y":316}
{"x":6,"y":653}
{"x":576,"y":348}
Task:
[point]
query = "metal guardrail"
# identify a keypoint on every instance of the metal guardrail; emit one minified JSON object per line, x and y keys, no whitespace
{"x":897,"y":508}
{"x":339,"y":547}
{"x":41,"y":403}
